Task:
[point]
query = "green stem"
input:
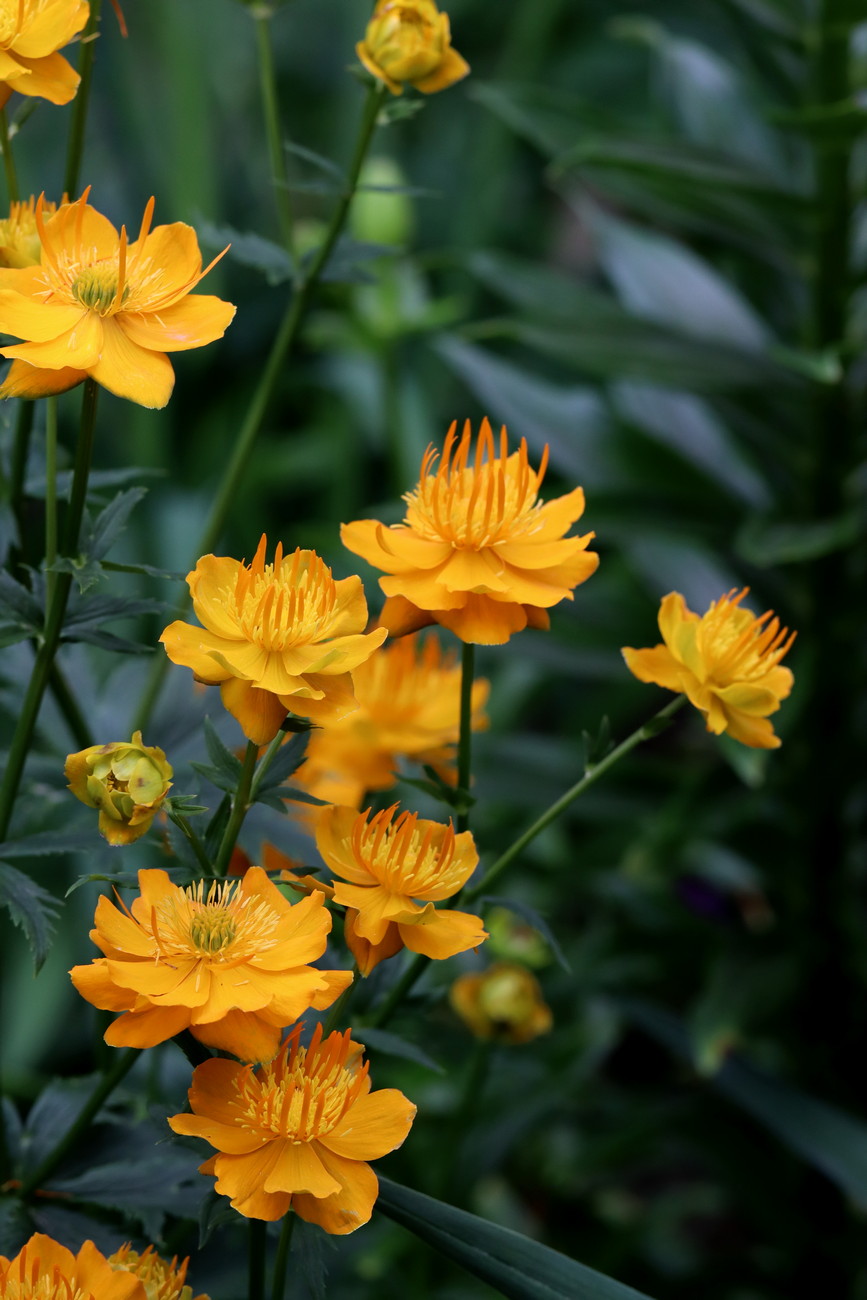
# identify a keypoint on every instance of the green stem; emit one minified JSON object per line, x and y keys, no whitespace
{"x":50,"y":498}
{"x":98,"y":1097}
{"x":18,"y":468}
{"x":338,"y":1010}
{"x":267,"y":759}
{"x":258,"y":1243}
{"x":69,"y":707}
{"x":280,"y":1263}
{"x":75,"y":148}
{"x":44,"y":662}
{"x":240,"y":807}
{"x":193,"y":840}
{"x":274,"y":368}
{"x":8,"y":159}
{"x":399,"y":991}
{"x":465,"y":742}
{"x":271,"y":110}
{"x":645,"y":732}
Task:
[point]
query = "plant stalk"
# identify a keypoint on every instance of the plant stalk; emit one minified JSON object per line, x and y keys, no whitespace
{"x":257,"y":1245}
{"x":465,"y":741}
{"x":240,"y":808}
{"x":271,"y":111}
{"x":8,"y":159}
{"x":280,"y":1263}
{"x":75,"y":147}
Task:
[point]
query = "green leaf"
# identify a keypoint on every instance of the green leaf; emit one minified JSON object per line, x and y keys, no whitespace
{"x":285,"y":762}
{"x":217,"y":826}
{"x":248,"y":249}
{"x":550,"y":119}
{"x":516,"y":1266}
{"x":19,"y":606}
{"x":47,"y":842}
{"x":765,"y":543}
{"x":224,"y":770}
{"x":393,"y":1045}
{"x":827,"y":1138}
{"x":32,"y":908}
{"x":100,"y":534}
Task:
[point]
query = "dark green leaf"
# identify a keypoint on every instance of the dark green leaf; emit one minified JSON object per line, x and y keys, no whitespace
{"x":217,"y":826}
{"x":393,"y":1045}
{"x":47,"y":842}
{"x":99,"y":535}
{"x":549,"y":118}
{"x":124,"y":880}
{"x":765,"y":543}
{"x":516,"y":1266}
{"x":109,"y":641}
{"x":16,"y":1226}
{"x":101,"y":478}
{"x":147,"y":569}
{"x":287,"y":760}
{"x":18,"y":605}
{"x":248,"y":249}
{"x":214,"y":1212}
{"x":31,"y":907}
{"x":52,"y":1115}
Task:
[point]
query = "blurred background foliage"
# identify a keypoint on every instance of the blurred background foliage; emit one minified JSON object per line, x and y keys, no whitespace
{"x":638,"y":233}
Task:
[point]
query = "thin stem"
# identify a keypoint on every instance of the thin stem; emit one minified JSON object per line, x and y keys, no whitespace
{"x":644,"y":732}
{"x":98,"y":1097}
{"x":18,"y":468}
{"x":280,"y":1263}
{"x":274,"y":368}
{"x":50,"y":499}
{"x":240,"y":807}
{"x":468,"y":659}
{"x":267,"y":760}
{"x":69,"y":707}
{"x":44,"y":662}
{"x":8,"y":159}
{"x":257,"y":1244}
{"x":399,"y":991}
{"x":75,"y":147}
{"x":271,"y":110}
{"x":193,"y":840}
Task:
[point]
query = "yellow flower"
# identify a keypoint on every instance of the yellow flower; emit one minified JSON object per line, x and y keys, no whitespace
{"x":127,"y":781}
{"x":99,"y":306}
{"x":505,"y":1003}
{"x":229,"y":964}
{"x":409,"y":703}
{"x":410,"y":41}
{"x":389,"y":864}
{"x":45,"y":1270}
{"x":20,"y":244}
{"x":31,"y":33}
{"x":477,"y":551}
{"x":726,"y":662}
{"x":298,"y":1133}
{"x":161,"y":1280}
{"x":276,"y":637}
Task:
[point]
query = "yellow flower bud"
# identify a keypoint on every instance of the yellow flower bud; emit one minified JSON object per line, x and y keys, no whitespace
{"x":410,"y":41}
{"x":20,"y":244}
{"x":127,"y":781}
{"x":505,"y":1003}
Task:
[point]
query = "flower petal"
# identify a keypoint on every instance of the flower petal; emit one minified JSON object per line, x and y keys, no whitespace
{"x":191,"y":322}
{"x":347,"y":1209}
{"x":372,"y":1127}
{"x":129,"y":371}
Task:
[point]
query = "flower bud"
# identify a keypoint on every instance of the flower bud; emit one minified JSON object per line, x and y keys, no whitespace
{"x":410,"y":41}
{"x":505,"y":1003}
{"x":127,"y":781}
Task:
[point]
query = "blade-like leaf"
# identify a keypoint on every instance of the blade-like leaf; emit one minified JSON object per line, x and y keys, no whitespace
{"x":31,"y":907}
{"x":393,"y":1045}
{"x":516,"y":1266}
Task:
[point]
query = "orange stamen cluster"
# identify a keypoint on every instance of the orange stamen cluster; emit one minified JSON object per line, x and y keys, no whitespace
{"x":738,"y":650}
{"x":223,"y":926}
{"x":400,"y":857}
{"x":30,"y":1283}
{"x":474,"y":505}
{"x":304,"y":1092}
{"x":285,"y":603}
{"x":162,"y":1280}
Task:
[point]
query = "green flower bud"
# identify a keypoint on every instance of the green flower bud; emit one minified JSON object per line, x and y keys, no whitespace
{"x":127,"y":781}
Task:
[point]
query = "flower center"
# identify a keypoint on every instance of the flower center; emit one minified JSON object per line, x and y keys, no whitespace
{"x":286,"y":603}
{"x":96,"y":287}
{"x":33,"y":1284}
{"x":474,"y":506}
{"x":401,"y":857}
{"x":740,"y":646}
{"x":212,"y":929}
{"x":304,"y":1093}
{"x":222,"y":925}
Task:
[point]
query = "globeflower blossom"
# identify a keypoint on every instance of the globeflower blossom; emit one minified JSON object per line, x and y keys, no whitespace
{"x":45,"y":1270}
{"x":31,"y":33}
{"x":127,"y":781}
{"x":229,"y":963}
{"x":162,"y":1280}
{"x":277,"y":637}
{"x":99,"y":306}
{"x":20,"y":244}
{"x":388,"y":862}
{"x":410,"y":41}
{"x":478,"y":551}
{"x":409,"y":702}
{"x":727,"y":663}
{"x":298,"y":1133}
{"x":504,"y":1003}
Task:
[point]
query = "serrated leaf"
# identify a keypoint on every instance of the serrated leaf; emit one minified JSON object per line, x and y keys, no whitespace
{"x":32,"y":909}
{"x":16,"y":1226}
{"x":249,"y":249}
{"x":109,"y":641}
{"x":285,"y":762}
{"x":97,"y":479}
{"x":214,"y":1212}
{"x":52,"y":1115}
{"x":96,"y":610}
{"x":19,"y":605}
{"x":393,"y":1045}
{"x":147,"y":569}
{"x":124,"y":880}
{"x":99,"y":535}
{"x":533,"y":919}
{"x":222,"y":758}
{"x":217,"y":826}
{"x":516,"y":1266}
{"x":318,"y":160}
{"x":134,"y":1186}
{"x":43,"y":842}
{"x":311,"y":1252}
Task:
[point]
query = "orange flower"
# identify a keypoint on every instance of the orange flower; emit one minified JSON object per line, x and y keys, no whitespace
{"x":31,"y":33}
{"x":276,"y":637}
{"x":409,"y":703}
{"x":45,"y":1270}
{"x":228,"y":964}
{"x":477,"y":551}
{"x":726,"y":662}
{"x":410,"y":40}
{"x":389,"y":863}
{"x":20,"y":244}
{"x":299,"y":1132}
{"x":126,"y":780}
{"x":505,"y":1003}
{"x":99,"y":306}
{"x":162,"y":1280}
